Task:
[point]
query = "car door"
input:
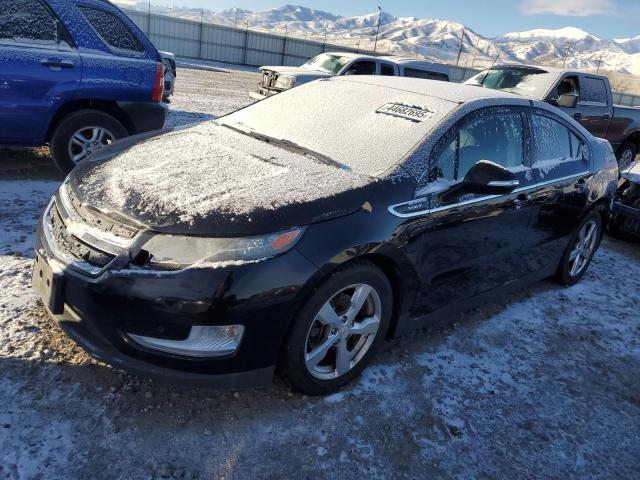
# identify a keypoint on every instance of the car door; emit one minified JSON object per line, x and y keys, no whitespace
{"x":40,"y":70}
{"x":469,"y":244}
{"x":594,"y":108}
{"x":561,"y":169}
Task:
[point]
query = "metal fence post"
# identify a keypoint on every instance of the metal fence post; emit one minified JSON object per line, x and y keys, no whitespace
{"x":246,"y":41}
{"x":201,"y":28}
{"x":284,"y":44}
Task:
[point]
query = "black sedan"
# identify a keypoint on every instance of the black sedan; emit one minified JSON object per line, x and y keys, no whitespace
{"x":298,"y":233}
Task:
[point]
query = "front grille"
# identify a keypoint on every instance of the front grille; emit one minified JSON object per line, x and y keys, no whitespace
{"x":269,"y":79}
{"x":72,"y":246}
{"x":97,"y":220}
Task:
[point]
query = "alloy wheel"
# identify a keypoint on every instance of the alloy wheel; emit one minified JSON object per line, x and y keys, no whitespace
{"x":584,"y":248}
{"x":87,"y":141}
{"x":343,"y":331}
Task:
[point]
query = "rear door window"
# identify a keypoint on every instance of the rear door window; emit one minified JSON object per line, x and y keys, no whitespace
{"x":30,"y":21}
{"x":387,"y":70}
{"x":593,"y":91}
{"x":557,"y":150}
{"x":417,"y":73}
{"x":112,"y":30}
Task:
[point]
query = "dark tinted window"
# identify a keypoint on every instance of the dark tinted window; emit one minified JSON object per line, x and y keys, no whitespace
{"x":363,"y":68}
{"x":417,"y":73}
{"x":593,"y":90}
{"x":387,"y":70}
{"x":497,"y":137}
{"x":27,"y":20}
{"x":551,"y":139}
{"x":112,"y":30}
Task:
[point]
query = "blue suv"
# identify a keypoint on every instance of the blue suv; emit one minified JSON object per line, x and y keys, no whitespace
{"x":77,"y":75}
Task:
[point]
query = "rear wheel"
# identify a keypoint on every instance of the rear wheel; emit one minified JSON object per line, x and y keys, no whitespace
{"x":582,"y":246}
{"x":82,"y":134}
{"x":627,"y":154}
{"x":339,"y":330}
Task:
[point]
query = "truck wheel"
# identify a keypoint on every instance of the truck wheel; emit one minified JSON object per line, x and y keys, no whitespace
{"x":81,"y":134}
{"x":627,"y":154}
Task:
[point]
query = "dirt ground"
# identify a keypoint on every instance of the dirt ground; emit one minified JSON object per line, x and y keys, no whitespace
{"x":542,"y":384}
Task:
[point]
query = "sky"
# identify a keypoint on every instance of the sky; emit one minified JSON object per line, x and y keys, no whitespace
{"x":603,"y":18}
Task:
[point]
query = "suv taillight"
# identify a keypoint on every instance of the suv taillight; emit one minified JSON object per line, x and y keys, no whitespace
{"x":158,"y":86}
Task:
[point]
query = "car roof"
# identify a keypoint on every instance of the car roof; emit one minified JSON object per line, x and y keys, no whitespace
{"x":389,"y":58}
{"x":450,"y":92}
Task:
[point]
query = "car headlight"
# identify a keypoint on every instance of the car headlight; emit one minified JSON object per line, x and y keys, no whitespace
{"x":285,"y":82}
{"x":177,"y":252}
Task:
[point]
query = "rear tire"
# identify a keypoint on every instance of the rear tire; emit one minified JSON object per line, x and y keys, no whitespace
{"x":324,"y":350}
{"x":626,"y":154}
{"x":582,"y":246}
{"x":81,"y":134}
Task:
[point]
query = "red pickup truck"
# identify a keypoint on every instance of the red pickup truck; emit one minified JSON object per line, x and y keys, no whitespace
{"x":585,"y":96}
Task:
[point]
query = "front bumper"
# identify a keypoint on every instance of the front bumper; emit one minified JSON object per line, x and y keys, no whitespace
{"x":264,"y":92}
{"x":100,"y":309}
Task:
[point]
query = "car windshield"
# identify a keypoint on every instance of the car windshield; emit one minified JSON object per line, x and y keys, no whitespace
{"x":364,"y":128}
{"x":523,"y":81}
{"x":327,"y":63}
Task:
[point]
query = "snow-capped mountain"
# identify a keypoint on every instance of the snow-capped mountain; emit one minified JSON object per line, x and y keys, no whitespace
{"x":431,"y":38}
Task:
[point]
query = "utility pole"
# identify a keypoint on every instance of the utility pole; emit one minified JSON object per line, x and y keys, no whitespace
{"x":149,"y":20}
{"x":600,"y":61}
{"x":566,"y":53}
{"x":375,"y":45}
{"x":324,"y":44}
{"x":461,"y":48}
{"x":235,"y":24}
{"x":475,"y":52}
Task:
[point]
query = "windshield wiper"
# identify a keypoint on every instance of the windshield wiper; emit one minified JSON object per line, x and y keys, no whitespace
{"x":291,"y":146}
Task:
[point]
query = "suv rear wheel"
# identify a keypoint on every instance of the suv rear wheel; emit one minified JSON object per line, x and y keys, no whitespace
{"x":627,"y":154}
{"x":82,"y":134}
{"x":338,"y":330}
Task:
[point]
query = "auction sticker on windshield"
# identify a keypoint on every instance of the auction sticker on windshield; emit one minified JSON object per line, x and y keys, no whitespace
{"x":413,"y":113}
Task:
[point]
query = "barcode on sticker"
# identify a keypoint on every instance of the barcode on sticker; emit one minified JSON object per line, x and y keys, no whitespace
{"x":415,"y":114}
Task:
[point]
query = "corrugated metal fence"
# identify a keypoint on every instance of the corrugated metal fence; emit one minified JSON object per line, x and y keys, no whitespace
{"x":243,"y":46}
{"x":187,"y":38}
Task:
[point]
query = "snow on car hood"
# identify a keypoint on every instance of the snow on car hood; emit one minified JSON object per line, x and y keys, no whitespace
{"x":211,"y":180}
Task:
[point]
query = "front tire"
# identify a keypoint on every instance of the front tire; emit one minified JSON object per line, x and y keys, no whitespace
{"x":339,"y":330}
{"x":579,"y":253}
{"x":81,"y":134}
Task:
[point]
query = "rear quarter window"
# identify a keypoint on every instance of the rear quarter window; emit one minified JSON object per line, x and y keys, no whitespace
{"x":113,"y":31}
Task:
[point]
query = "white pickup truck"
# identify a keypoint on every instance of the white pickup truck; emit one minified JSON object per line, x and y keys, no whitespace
{"x":277,"y":79}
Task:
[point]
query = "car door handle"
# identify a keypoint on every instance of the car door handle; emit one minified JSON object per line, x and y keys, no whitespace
{"x":606,"y":117}
{"x":577,"y":116}
{"x":57,"y":63}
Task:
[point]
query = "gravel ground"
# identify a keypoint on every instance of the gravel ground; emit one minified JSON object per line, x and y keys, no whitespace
{"x":543,"y":384}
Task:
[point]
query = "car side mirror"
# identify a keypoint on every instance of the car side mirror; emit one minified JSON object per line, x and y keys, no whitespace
{"x":351,"y":72}
{"x":484,"y":178}
{"x":487,"y":177}
{"x":567,"y":100}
